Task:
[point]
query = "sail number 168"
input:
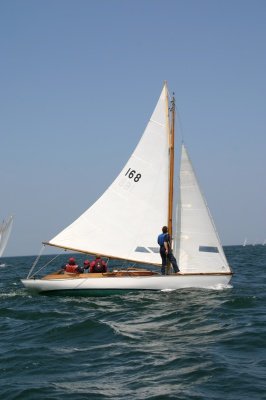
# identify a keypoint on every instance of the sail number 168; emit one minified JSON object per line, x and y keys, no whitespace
{"x":132,"y":174}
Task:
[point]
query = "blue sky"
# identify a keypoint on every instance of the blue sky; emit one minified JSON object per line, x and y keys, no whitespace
{"x":79,"y":80}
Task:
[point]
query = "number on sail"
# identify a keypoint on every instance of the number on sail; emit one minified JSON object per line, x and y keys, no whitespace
{"x":131,"y":173}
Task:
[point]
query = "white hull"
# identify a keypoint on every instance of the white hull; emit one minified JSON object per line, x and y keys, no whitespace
{"x":170,"y":282}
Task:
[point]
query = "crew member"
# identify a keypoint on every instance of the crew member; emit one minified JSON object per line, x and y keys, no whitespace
{"x":72,"y":267}
{"x":98,"y":265}
{"x":164,"y":240}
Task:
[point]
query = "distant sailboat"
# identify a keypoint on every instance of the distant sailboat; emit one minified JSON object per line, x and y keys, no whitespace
{"x":245,"y":242}
{"x":5,"y":230}
{"x":124,"y":222}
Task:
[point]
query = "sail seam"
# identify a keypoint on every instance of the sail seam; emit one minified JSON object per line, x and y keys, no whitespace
{"x":157,"y":123}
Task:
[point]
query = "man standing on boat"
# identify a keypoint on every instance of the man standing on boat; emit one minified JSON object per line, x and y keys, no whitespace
{"x":164,"y":240}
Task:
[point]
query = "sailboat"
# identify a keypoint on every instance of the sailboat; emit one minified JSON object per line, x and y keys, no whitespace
{"x":123,"y":224}
{"x":5,"y":230}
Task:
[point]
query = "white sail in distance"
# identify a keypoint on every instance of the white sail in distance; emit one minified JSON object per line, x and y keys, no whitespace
{"x":5,"y":230}
{"x":198,"y":248}
{"x":124,"y":222}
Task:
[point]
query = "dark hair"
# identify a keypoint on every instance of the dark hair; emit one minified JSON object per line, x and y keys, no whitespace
{"x":164,"y":229}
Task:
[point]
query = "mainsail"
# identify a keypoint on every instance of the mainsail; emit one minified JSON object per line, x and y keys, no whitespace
{"x":5,"y":230}
{"x":123,"y":223}
{"x":198,"y":248}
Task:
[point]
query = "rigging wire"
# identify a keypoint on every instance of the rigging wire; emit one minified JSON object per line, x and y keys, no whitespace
{"x":45,"y":265}
{"x":36,"y":261}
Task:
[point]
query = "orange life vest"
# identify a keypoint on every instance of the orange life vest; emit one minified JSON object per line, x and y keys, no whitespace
{"x":71,"y":268}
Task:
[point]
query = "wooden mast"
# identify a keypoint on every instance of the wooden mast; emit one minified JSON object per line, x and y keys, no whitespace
{"x":171,"y":167}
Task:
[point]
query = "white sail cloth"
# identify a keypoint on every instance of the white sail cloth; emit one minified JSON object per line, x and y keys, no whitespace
{"x":198,"y":248}
{"x":5,"y":230}
{"x":124,"y":222}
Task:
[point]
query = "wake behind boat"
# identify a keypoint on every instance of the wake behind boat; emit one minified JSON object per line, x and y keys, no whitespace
{"x":135,"y":207}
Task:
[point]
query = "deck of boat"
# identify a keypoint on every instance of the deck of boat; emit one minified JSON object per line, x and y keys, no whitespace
{"x":128,"y":272}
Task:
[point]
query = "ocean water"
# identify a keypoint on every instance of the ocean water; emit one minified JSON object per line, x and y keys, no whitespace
{"x":186,"y":344}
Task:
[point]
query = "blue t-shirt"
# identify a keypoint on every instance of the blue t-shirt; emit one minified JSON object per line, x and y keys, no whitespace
{"x":163,"y":237}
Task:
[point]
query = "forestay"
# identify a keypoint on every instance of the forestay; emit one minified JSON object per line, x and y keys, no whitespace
{"x":124,"y":222}
{"x":198,"y":247}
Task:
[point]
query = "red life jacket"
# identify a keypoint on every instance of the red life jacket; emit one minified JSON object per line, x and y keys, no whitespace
{"x":71,"y":268}
{"x":98,"y":266}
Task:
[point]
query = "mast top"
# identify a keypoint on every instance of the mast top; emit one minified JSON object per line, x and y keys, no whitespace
{"x":172,"y":106}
